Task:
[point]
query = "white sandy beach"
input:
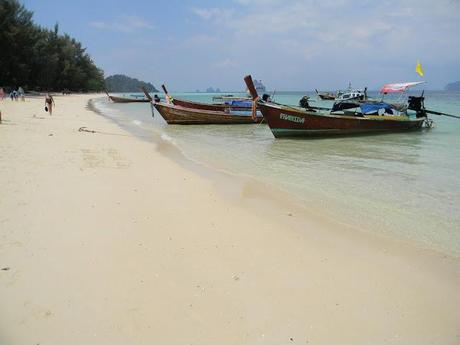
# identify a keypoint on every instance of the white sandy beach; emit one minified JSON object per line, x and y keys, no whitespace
{"x":105,"y":239}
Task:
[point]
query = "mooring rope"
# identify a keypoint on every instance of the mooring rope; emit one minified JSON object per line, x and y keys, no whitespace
{"x":85,"y":129}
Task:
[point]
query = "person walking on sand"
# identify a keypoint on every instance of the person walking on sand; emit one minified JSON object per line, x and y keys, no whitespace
{"x":49,"y":103}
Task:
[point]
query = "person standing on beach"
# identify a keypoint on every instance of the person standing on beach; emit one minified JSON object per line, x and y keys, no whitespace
{"x":49,"y":103}
{"x":2,"y":94}
{"x":21,"y":94}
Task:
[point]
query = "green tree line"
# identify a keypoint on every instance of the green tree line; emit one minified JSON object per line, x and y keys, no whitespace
{"x":37,"y":58}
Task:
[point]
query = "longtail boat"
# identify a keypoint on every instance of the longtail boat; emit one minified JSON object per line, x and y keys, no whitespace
{"x":181,"y":112}
{"x":180,"y":115}
{"x":290,"y":121}
{"x":230,"y":105}
{"x":117,"y":99}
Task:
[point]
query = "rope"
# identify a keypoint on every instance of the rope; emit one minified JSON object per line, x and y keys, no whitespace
{"x":252,"y":130}
{"x":254,"y":109}
{"x":263,"y":119}
{"x":85,"y":129}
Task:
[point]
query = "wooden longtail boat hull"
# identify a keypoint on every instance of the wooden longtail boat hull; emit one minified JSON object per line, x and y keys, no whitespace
{"x":116,"y":99}
{"x":177,"y":115}
{"x":127,"y":100}
{"x":206,"y":106}
{"x":291,"y":122}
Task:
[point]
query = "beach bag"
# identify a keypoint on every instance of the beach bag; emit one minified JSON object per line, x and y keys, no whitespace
{"x":46,"y":109}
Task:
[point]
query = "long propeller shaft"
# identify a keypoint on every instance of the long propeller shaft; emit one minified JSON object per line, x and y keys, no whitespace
{"x":441,"y":114}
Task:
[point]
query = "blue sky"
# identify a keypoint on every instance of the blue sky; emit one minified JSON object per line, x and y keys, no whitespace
{"x":289,"y":44}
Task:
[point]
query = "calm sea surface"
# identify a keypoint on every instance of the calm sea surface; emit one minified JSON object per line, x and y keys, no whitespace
{"x":404,"y":185}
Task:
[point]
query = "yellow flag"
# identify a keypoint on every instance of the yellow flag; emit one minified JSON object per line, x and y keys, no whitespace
{"x":419,"y":69}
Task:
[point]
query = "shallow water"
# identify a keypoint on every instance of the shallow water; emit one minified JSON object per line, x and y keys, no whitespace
{"x":405,"y":185}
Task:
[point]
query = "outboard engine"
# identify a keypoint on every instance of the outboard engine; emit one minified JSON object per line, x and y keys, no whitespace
{"x":417,"y":104}
{"x":303,"y":103}
{"x":265,"y":97}
{"x":156,"y":98}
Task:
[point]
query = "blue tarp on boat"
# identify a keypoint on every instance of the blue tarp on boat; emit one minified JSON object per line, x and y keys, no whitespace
{"x":234,"y":103}
{"x":373,"y":108}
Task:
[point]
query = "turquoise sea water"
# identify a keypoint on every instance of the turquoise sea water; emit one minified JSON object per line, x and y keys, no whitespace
{"x":405,"y":185}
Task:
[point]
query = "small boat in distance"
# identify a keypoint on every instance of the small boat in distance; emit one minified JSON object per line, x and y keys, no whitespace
{"x":259,"y":87}
{"x":325,"y":96}
{"x":351,"y":93}
{"x":116,"y":99}
{"x":348,"y":94}
{"x":311,"y":122}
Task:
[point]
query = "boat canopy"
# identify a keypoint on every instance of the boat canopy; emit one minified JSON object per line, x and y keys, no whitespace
{"x":398,"y":87}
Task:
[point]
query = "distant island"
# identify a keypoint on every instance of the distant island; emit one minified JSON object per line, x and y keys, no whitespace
{"x":455,"y":86}
{"x":212,"y":90}
{"x":123,"y":83}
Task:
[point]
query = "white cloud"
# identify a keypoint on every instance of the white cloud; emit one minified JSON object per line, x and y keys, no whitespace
{"x":125,"y":24}
{"x":225,"y":63}
{"x":297,"y":44}
{"x":338,"y":23}
{"x":213,"y":13}
{"x":333,"y":38}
